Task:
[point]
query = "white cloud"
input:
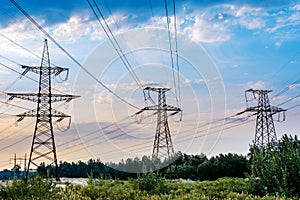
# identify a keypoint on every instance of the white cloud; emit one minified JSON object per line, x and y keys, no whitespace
{"x":205,"y":31}
{"x":220,"y":16}
{"x":79,"y":26}
{"x":97,"y":32}
{"x":257,"y":85}
{"x":294,"y":17}
{"x":292,"y":86}
{"x":187,"y":81}
{"x":104,"y":97}
{"x":277,"y":44}
{"x":215,"y":23}
{"x":25,"y":34}
{"x":246,"y":10}
{"x":200,"y":81}
{"x":285,"y":20}
{"x":252,"y":23}
{"x":296,"y":7}
{"x":21,"y":30}
{"x":73,"y":29}
{"x":4,"y":72}
{"x":248,"y":17}
{"x":196,"y":81}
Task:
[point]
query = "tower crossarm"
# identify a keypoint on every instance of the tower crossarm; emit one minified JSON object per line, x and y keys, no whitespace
{"x":36,"y":69}
{"x":258,"y":91}
{"x":33,"y":113}
{"x":30,"y":113}
{"x":157,"y":89}
{"x":61,"y":115}
{"x":34,"y":97}
{"x":156,"y":107}
{"x":271,"y":110}
{"x":62,"y":97}
{"x":25,"y":96}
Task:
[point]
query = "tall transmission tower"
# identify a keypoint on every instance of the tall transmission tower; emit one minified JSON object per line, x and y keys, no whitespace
{"x":162,"y":147}
{"x":265,"y":133}
{"x":43,"y":143}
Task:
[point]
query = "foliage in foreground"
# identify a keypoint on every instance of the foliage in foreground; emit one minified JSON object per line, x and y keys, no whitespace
{"x":35,"y":188}
{"x":148,"y":186}
{"x":276,"y":169}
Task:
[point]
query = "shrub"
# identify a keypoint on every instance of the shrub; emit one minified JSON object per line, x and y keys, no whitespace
{"x":35,"y":188}
{"x":276,"y":169}
{"x":152,"y":183}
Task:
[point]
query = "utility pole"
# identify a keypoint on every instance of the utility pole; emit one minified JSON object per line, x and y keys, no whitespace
{"x":43,"y":143}
{"x":265,"y":133}
{"x":15,"y":159}
{"x":162,"y":146}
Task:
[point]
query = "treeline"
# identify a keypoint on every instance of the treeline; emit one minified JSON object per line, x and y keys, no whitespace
{"x":194,"y":167}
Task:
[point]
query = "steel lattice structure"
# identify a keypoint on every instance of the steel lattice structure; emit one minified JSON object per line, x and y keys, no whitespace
{"x":265,"y":133}
{"x":43,"y":143}
{"x":162,"y":147}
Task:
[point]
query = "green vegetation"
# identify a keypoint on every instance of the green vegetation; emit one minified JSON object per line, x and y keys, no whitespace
{"x":276,"y":169}
{"x":275,"y":174}
{"x":148,"y":186}
{"x":35,"y":188}
{"x":194,"y":167}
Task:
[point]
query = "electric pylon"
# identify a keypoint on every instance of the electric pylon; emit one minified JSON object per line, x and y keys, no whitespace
{"x":16,"y":167}
{"x":162,"y":147}
{"x":43,"y":143}
{"x":265,"y":133}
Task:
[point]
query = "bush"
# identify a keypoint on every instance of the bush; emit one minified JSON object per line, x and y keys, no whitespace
{"x":35,"y":188}
{"x":276,"y":169}
{"x":152,"y":183}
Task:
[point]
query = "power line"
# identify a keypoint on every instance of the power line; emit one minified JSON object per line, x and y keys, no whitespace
{"x":24,"y":48}
{"x":290,"y":99}
{"x":146,"y":142}
{"x":286,"y":63}
{"x":285,"y":89}
{"x":184,"y":138}
{"x":110,"y":12}
{"x":171,"y":53}
{"x":15,"y":43}
{"x":177,"y":141}
{"x":15,"y":143}
{"x":213,"y":122}
{"x":67,"y":53}
{"x":7,"y":136}
{"x":96,"y":131}
{"x":176,"y":51}
{"x":157,"y":35}
{"x":115,"y":43}
{"x":21,"y":74}
{"x":292,"y":107}
{"x":109,"y":132}
{"x":14,"y":105}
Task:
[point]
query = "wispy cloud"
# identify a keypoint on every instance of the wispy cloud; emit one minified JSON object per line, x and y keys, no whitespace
{"x":257,"y":85}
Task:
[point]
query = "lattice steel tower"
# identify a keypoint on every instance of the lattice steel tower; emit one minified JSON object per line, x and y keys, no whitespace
{"x":265,"y":133}
{"x":162,"y":147}
{"x":43,"y":143}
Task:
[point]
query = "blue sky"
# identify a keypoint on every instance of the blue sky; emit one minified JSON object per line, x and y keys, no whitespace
{"x":242,"y":44}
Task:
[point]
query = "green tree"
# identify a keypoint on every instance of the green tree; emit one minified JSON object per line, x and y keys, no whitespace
{"x":276,"y":169}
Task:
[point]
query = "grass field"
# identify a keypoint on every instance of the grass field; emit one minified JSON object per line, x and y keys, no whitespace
{"x":146,"y":187}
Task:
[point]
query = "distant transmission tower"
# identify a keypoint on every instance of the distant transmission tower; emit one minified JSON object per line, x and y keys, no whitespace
{"x":43,"y":144}
{"x":265,"y":133}
{"x":16,"y":167}
{"x":162,"y":147}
